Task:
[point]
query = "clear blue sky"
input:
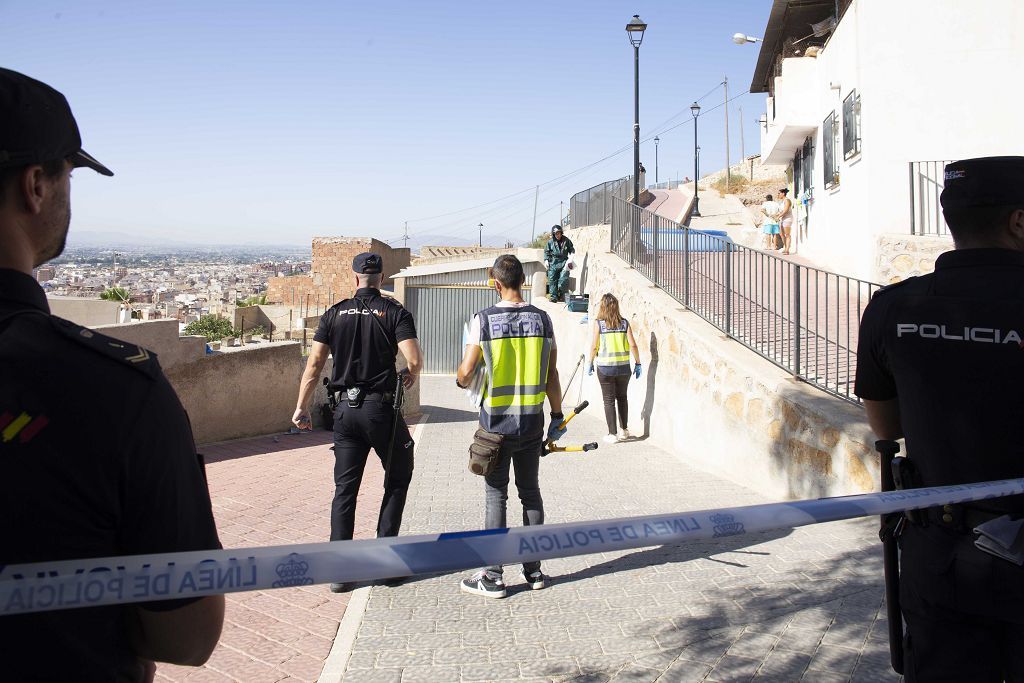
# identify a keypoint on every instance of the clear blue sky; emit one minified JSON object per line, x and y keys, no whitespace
{"x":271,"y":122}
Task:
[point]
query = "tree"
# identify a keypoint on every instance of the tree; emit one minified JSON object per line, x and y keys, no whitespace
{"x":256,"y":300}
{"x":115,"y":294}
{"x":210,"y":326}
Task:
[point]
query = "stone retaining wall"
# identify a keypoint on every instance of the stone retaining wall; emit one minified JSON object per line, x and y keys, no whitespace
{"x":903,"y":256}
{"x":712,"y":401}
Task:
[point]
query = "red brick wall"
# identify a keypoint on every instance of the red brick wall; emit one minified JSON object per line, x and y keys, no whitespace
{"x":331,"y":278}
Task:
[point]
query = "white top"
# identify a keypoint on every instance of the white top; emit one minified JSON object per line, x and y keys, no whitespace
{"x":770,"y":208}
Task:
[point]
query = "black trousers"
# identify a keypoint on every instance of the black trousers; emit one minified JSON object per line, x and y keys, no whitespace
{"x":613,"y":391}
{"x":964,"y":609}
{"x":356,"y":431}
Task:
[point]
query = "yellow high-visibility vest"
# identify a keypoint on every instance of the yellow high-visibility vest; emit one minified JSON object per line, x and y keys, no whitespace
{"x":613,"y":353}
{"x":516,"y":345}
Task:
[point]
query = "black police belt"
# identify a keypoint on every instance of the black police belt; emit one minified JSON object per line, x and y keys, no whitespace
{"x":356,"y":396}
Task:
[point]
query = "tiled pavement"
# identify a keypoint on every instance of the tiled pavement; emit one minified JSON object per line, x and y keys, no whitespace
{"x":272,"y":491}
{"x":792,"y":605}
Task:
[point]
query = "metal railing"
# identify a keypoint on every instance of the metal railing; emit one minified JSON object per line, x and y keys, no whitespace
{"x":926,"y":183}
{"x":594,"y":206}
{"x":802,"y":319}
{"x":669,"y":185}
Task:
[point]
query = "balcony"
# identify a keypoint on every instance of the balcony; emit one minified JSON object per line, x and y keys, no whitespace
{"x":791,"y":115}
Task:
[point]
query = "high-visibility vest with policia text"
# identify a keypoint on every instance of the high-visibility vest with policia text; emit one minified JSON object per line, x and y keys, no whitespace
{"x":516,"y":345}
{"x":613,"y":353}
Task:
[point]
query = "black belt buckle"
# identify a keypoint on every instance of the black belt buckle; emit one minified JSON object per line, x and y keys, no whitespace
{"x":355,"y":397}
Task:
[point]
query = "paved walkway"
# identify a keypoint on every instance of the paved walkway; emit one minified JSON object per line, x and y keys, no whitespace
{"x":272,"y":491}
{"x":793,"y":605}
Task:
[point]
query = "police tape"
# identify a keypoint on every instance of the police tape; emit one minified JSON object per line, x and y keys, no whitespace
{"x":140,"y":578}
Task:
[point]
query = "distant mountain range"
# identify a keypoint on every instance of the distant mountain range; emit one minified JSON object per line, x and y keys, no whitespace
{"x":117,"y":240}
{"x":103,"y":239}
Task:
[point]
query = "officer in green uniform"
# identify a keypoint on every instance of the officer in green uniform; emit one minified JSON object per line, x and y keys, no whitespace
{"x":516,"y":342}
{"x":556,"y":257}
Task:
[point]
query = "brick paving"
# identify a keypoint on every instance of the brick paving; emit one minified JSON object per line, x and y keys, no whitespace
{"x":804,"y":604}
{"x":272,"y":491}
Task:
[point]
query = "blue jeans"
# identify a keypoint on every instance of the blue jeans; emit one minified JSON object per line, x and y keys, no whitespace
{"x":522,"y":453}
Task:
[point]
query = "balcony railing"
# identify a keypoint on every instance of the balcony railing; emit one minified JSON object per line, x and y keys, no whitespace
{"x":594,"y":206}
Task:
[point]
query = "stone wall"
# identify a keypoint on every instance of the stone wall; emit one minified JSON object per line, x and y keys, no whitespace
{"x":900,"y":256}
{"x":85,"y":312}
{"x":712,"y":401}
{"x":160,"y":337}
{"x":330,"y":279}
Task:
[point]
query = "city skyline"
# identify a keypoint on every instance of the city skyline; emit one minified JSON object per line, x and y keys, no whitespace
{"x":262,"y":124}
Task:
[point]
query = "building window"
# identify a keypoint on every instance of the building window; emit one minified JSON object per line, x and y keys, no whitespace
{"x":851,"y":125}
{"x":798,"y":173}
{"x":806,"y":163}
{"x":830,"y":145}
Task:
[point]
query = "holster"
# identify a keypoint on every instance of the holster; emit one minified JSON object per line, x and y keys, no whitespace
{"x":355,"y":396}
{"x":484,"y":452}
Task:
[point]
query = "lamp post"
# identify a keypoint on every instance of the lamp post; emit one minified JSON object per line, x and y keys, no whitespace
{"x":656,"y":141}
{"x":695,"y":110}
{"x":635,"y":28}
{"x":480,"y":239}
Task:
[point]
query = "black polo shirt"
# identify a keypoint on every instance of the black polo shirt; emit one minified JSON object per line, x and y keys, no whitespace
{"x":364,"y":352}
{"x":950,"y":347}
{"x":96,"y":459}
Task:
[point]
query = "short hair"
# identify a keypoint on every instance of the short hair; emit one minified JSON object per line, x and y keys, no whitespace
{"x":370,"y":279}
{"x":768,"y":197}
{"x":51,"y":169}
{"x":508,"y":270}
{"x":966,"y":222}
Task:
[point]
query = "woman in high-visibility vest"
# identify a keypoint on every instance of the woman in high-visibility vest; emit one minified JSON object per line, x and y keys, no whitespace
{"x":612,"y":344}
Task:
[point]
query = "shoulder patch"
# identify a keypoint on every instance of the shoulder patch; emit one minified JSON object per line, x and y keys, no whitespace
{"x":887,"y":289}
{"x":137,"y":357}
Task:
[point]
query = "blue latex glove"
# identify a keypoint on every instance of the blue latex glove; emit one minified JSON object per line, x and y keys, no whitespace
{"x":590,"y":368}
{"x":636,"y":370}
{"x":555,"y":431}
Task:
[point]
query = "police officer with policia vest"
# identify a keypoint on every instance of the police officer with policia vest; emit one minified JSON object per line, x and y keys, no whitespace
{"x":96,"y":452}
{"x":516,"y":342}
{"x":941,"y":363}
{"x":557,"y":253}
{"x":364,"y":335}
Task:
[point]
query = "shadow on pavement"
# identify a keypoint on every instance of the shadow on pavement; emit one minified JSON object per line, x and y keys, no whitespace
{"x":667,"y":554}
{"x":833,"y":602}
{"x":439,"y":415}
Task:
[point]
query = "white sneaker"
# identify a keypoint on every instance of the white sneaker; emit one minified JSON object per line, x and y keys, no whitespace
{"x":624,"y":434}
{"x":611,"y":438}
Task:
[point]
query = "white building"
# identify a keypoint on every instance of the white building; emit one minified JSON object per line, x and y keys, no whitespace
{"x":854,"y":111}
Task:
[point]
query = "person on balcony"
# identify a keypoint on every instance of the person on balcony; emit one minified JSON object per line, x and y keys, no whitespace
{"x":558,"y":259}
{"x":612,"y":343}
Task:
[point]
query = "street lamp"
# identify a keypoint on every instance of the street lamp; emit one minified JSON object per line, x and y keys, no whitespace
{"x":480,"y":239}
{"x":635,"y":28}
{"x":743,"y":39}
{"x":695,"y":110}
{"x":656,"y":141}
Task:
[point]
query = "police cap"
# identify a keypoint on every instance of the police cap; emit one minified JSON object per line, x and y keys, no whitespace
{"x":368,"y":263}
{"x":36,"y":125}
{"x":985,"y":181}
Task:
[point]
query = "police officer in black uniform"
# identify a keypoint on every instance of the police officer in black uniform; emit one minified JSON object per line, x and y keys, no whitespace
{"x":96,"y":452}
{"x":364,"y":335}
{"x":941,"y":364}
